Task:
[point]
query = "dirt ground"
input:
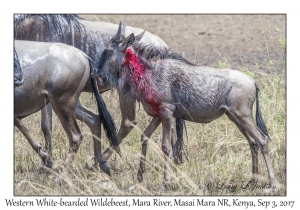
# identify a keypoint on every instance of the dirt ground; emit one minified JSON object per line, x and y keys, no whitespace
{"x":243,"y":40}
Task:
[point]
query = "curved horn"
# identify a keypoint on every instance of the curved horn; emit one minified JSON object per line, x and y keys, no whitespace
{"x":123,"y":29}
{"x":118,"y":35}
{"x":140,"y":36}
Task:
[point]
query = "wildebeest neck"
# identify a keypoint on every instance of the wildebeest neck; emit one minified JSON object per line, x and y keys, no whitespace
{"x":135,"y":65}
{"x":142,"y":79}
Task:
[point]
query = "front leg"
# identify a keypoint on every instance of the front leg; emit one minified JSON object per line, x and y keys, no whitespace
{"x":128,"y":113}
{"x":144,"y":138}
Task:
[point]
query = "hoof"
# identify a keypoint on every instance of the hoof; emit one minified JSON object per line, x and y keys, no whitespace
{"x":49,"y":163}
{"x":105,"y":166}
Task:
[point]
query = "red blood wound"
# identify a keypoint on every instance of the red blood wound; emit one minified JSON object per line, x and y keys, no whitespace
{"x":138,"y":70}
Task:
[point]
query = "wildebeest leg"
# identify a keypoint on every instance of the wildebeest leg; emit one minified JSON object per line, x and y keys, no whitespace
{"x":64,"y":109}
{"x":128,"y":109}
{"x":247,"y":123}
{"x":92,"y":120}
{"x":46,"y":125}
{"x":166,"y":119}
{"x":144,"y":138}
{"x":36,"y":146}
{"x":253,"y":146}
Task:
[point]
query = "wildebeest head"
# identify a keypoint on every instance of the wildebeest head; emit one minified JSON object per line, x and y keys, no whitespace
{"x":18,"y":74}
{"x":112,"y":58}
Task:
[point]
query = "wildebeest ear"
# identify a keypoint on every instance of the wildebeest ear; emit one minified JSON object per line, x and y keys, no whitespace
{"x":140,"y":36}
{"x":128,"y":42}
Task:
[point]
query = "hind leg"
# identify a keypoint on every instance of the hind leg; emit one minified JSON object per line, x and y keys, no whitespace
{"x":253,"y":147}
{"x":65,"y":110}
{"x":92,"y":120}
{"x":246,"y":122}
{"x":46,"y":158}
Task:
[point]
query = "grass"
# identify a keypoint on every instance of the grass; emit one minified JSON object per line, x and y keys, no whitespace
{"x":219,"y":158}
{"x":217,"y":152}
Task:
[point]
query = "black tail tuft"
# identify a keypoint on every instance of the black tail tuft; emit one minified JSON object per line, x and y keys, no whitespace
{"x":259,"y":120}
{"x":178,"y":148}
{"x":105,"y":117}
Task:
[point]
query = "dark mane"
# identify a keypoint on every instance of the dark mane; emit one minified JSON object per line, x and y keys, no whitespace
{"x":150,"y":52}
{"x":55,"y":20}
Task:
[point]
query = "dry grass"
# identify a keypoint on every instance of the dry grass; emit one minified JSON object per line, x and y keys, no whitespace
{"x":218,"y":153}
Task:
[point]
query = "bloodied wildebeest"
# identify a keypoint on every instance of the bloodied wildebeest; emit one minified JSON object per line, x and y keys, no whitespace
{"x":57,"y":73}
{"x":92,"y":37}
{"x":169,"y":86}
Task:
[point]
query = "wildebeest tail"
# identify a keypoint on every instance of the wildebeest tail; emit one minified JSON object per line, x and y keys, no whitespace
{"x":105,"y":117}
{"x":259,"y":120}
{"x":178,"y":148}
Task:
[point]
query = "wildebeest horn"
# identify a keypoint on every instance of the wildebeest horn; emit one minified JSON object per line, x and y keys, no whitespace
{"x":118,"y":35}
{"x":140,"y":36}
{"x":123,"y":28}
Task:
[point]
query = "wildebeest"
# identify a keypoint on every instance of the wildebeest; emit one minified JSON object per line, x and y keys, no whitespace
{"x":92,"y":37}
{"x":170,"y":86}
{"x":18,"y":74}
{"x":57,"y":73}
